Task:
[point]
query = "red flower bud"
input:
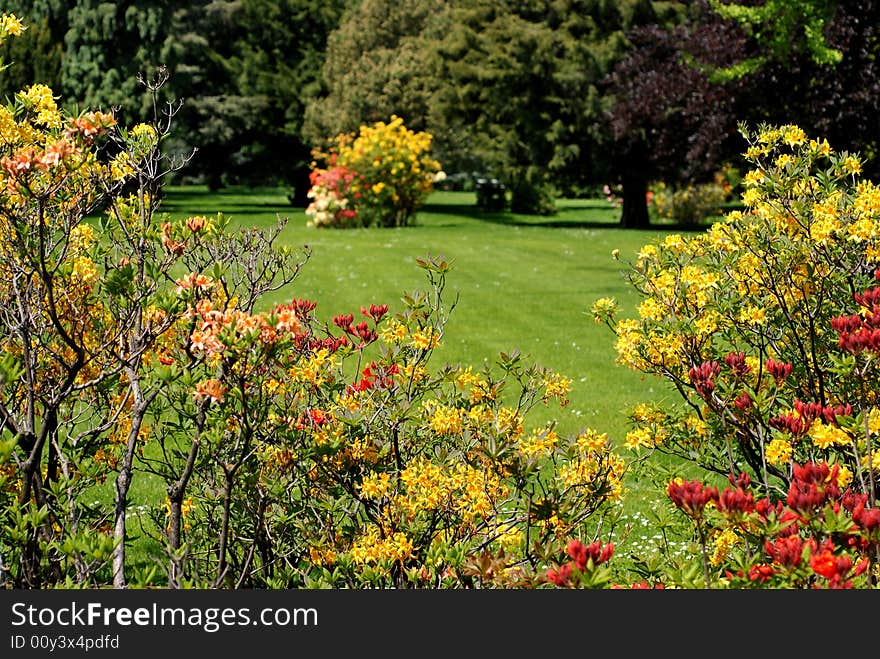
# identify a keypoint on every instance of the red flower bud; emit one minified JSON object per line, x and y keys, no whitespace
{"x":691,"y":496}
{"x":779,"y":370}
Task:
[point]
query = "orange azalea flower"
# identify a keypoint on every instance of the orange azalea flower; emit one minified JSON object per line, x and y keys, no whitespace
{"x":90,"y":124}
{"x":207,"y":342}
{"x":20,"y":163}
{"x":196,"y":223}
{"x":213,"y":389}
{"x":55,"y":153}
{"x":171,"y":246}
{"x":287,"y":321}
{"x":192,"y":280}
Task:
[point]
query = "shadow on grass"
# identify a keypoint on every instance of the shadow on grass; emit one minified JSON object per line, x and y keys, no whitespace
{"x":240,"y":211}
{"x":232,"y":201}
{"x":572,"y":213}
{"x":554,"y":221}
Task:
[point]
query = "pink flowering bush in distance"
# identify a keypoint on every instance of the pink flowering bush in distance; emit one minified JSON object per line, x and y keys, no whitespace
{"x":332,"y":198}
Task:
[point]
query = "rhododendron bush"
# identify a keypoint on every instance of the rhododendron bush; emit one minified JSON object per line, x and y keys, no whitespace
{"x":380,"y":176}
{"x":764,"y":325}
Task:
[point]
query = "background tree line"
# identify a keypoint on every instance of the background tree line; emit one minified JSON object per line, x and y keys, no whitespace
{"x":554,"y":97}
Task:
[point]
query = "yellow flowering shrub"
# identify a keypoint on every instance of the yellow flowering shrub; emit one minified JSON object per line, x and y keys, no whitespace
{"x":755,"y":321}
{"x":454,"y":471}
{"x":379,"y":176}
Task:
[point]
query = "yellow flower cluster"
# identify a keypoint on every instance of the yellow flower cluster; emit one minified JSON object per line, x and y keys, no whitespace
{"x":9,"y":129}
{"x":10,"y":25}
{"x":866,"y":204}
{"x":460,"y":489}
{"x":511,"y":539}
{"x":695,"y":425}
{"x":630,"y":338}
{"x":446,"y":420}
{"x":827,"y":435}
{"x":393,"y":332}
{"x":844,"y":476}
{"x":752,"y":315}
{"x":478,"y":388}
{"x":82,"y":237}
{"x":722,"y":543}
{"x":556,"y":386}
{"x":591,"y":441}
{"x":585,"y":470}
{"x":121,"y":167}
{"x":85,"y":273}
{"x":604,"y":308}
{"x":361,"y":450}
{"x":39,"y":99}
{"x":316,"y":370}
{"x":779,"y":451}
{"x":425,"y":338}
{"x":651,"y":309}
{"x":393,"y":167}
{"x":698,"y":284}
{"x":874,"y":420}
{"x":322,"y":555}
{"x":508,"y":421}
{"x":144,"y":137}
{"x":375,"y":485}
{"x":371,"y":547}
{"x":539,"y":443}
{"x":645,"y":437}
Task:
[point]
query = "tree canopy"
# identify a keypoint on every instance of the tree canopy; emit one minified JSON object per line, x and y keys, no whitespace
{"x":555,"y":97}
{"x":680,"y":91}
{"x":509,"y":89}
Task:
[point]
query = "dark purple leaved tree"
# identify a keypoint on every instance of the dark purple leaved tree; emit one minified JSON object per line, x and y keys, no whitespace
{"x":669,"y":118}
{"x":679,"y":94}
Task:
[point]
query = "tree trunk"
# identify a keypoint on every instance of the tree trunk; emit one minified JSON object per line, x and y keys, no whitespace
{"x":176,"y":494}
{"x":300,"y":185}
{"x":124,"y":478}
{"x":634,"y":214}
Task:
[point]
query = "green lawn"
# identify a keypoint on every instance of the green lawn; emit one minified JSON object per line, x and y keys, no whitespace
{"x":522,"y":283}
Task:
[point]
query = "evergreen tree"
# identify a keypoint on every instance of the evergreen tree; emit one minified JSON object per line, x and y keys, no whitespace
{"x":108,"y":46}
{"x":37,"y":53}
{"x":508,"y":88}
{"x":378,"y":63}
{"x":244,"y":70}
